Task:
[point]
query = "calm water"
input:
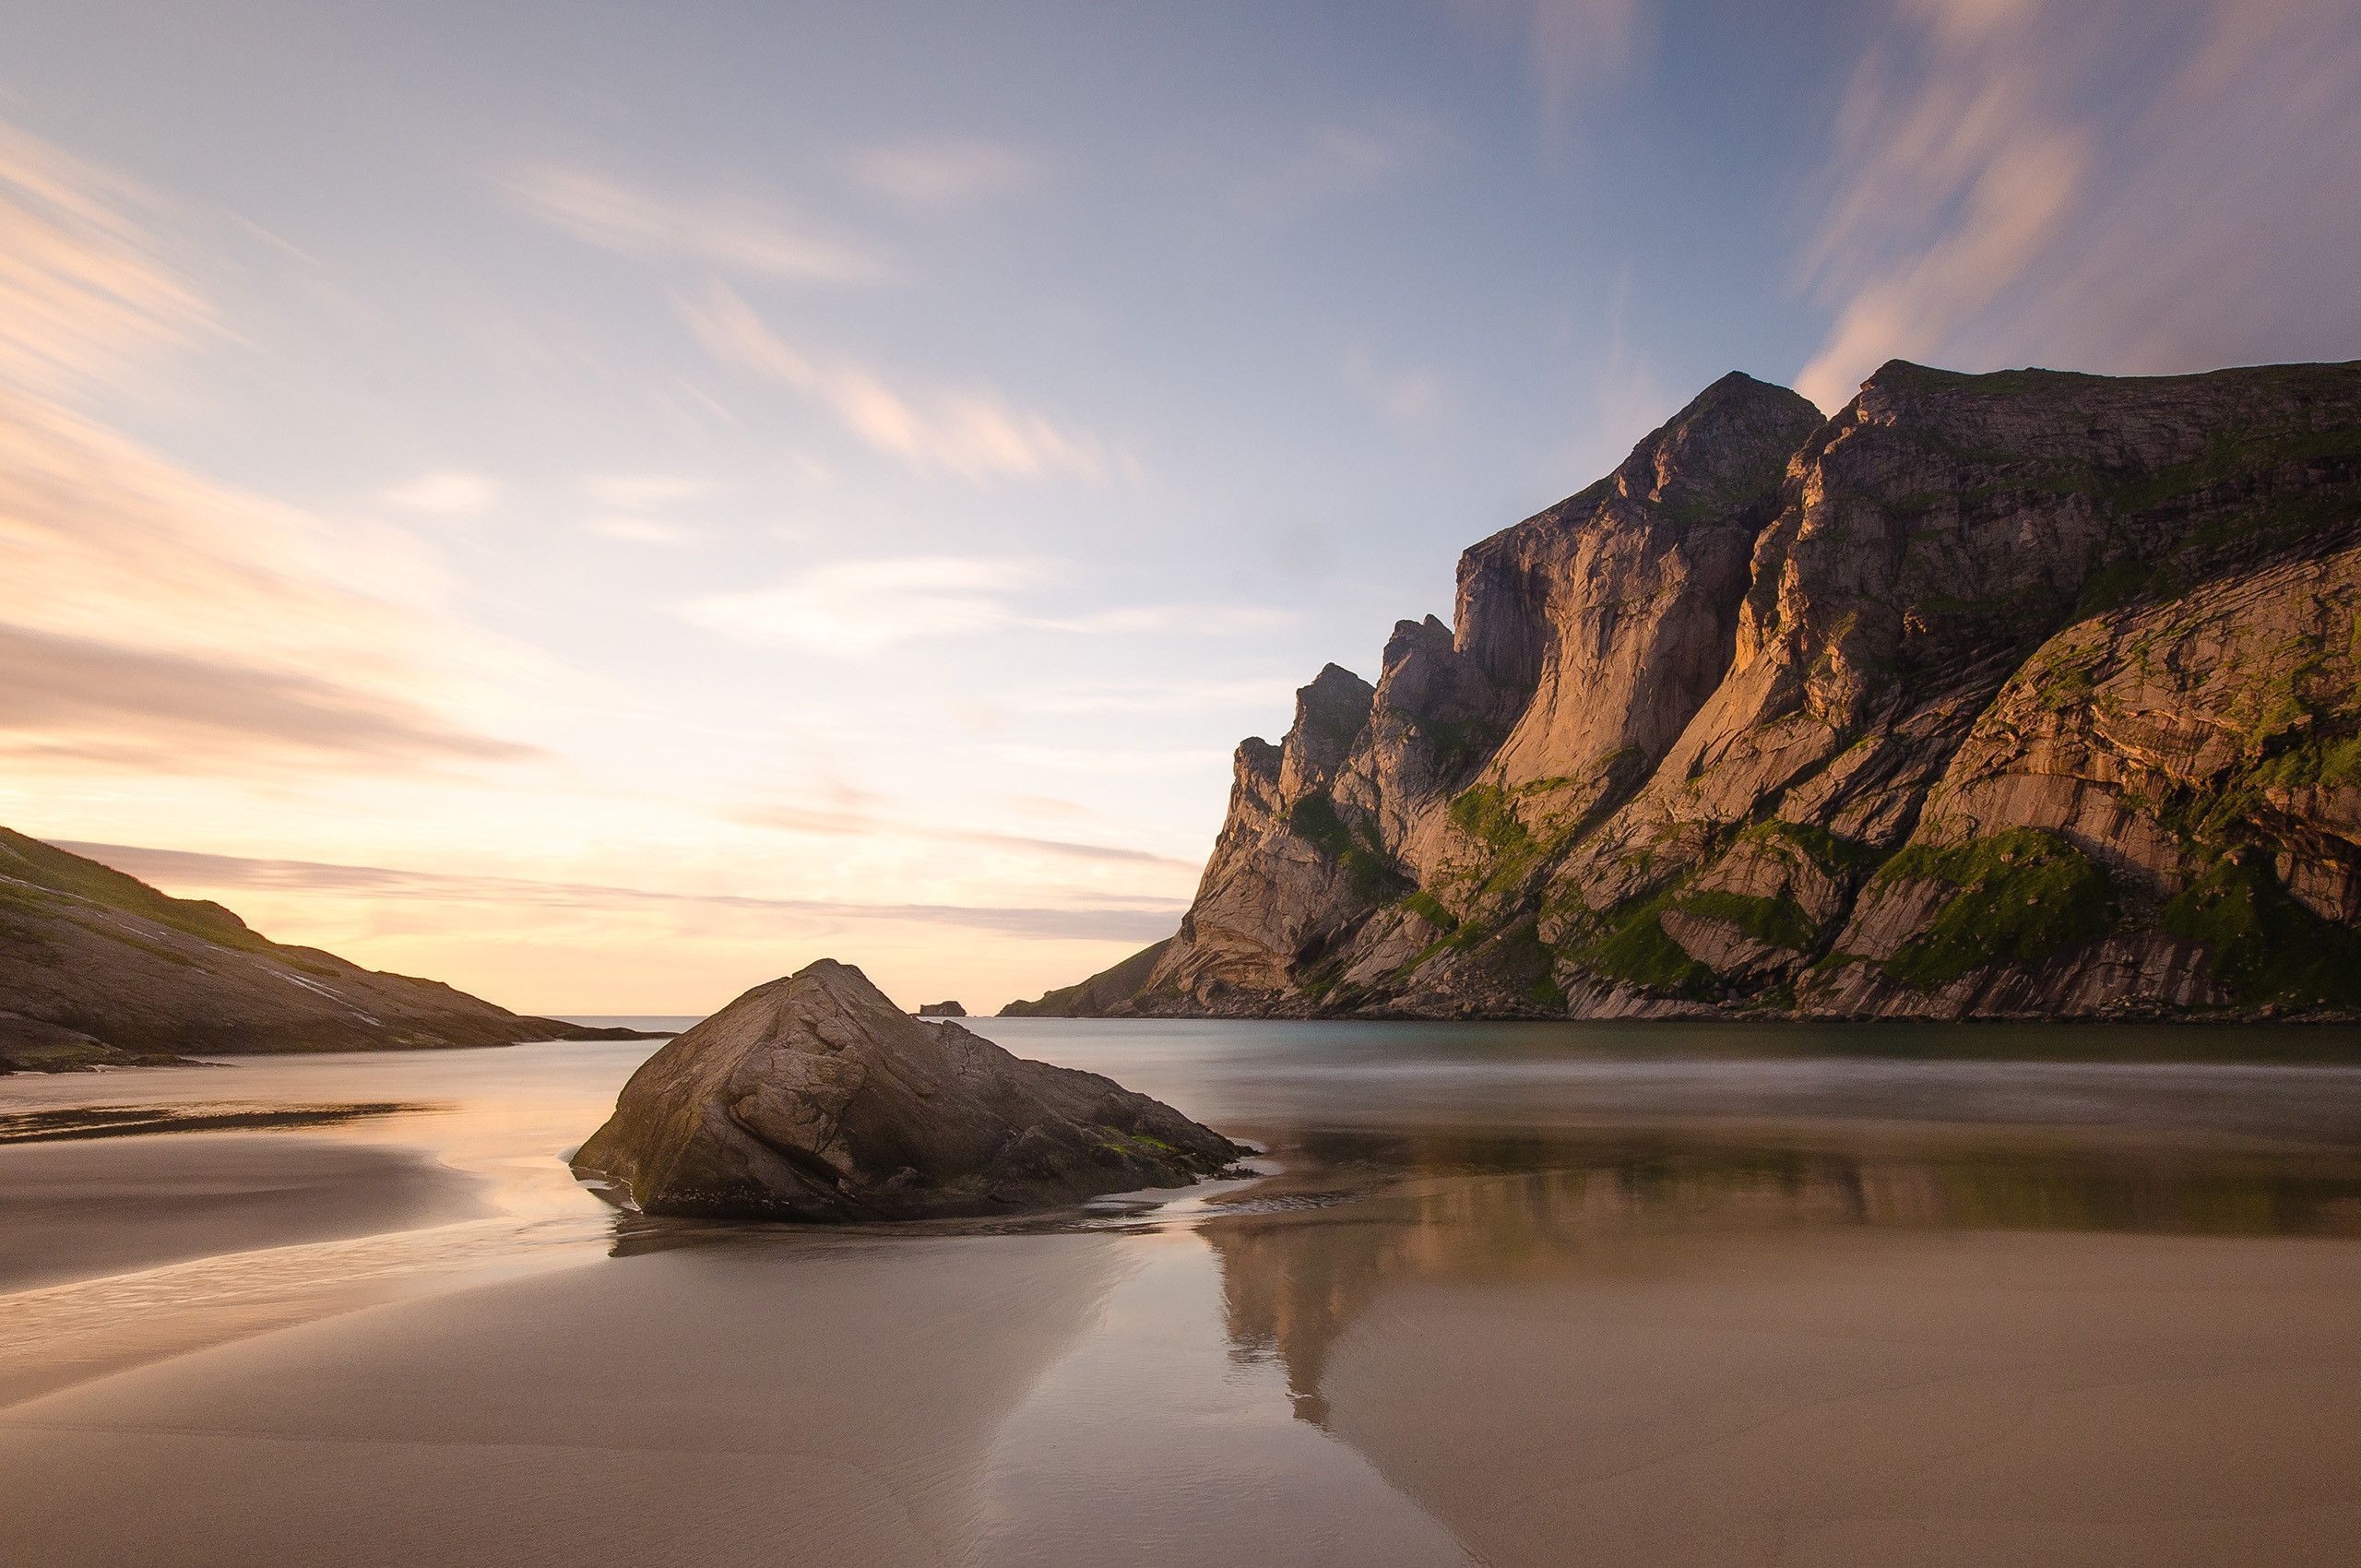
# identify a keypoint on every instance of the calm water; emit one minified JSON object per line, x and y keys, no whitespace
{"x":1512,"y":1293}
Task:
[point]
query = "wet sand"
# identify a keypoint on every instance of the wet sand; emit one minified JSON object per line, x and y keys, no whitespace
{"x":76,"y":1124}
{"x":2002,"y":1398}
{"x":1068,"y":1400}
{"x":747,"y":1402}
{"x":689,"y":1407}
{"x":1503,"y":1306}
{"x":79,"y":1210}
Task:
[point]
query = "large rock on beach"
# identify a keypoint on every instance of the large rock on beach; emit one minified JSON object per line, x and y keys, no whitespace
{"x":815,"y":1097}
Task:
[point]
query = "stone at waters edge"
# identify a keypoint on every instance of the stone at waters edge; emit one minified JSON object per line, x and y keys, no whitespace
{"x":814,"y":1097}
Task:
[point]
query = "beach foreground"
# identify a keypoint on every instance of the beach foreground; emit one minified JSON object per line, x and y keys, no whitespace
{"x":1497,"y":1305}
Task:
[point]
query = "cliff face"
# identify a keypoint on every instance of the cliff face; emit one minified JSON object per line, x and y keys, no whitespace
{"x":2023,"y":694}
{"x":98,"y":968}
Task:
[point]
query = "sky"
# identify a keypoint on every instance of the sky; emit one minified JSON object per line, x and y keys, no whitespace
{"x":603,"y":504}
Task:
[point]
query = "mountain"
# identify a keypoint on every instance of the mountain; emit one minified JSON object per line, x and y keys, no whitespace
{"x":98,"y":968}
{"x":2028,"y":694}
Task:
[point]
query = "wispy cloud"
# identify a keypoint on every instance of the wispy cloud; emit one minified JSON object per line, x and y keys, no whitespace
{"x":1272,"y":692}
{"x":626,"y":527}
{"x":634,"y":493}
{"x":636,"y":502}
{"x":1122,"y":919}
{"x":855,"y":607}
{"x":445,"y":493}
{"x":1209,"y":620}
{"x":1408,"y":396}
{"x":973,"y":432}
{"x":2002,"y":191}
{"x":1082,"y":762}
{"x":72,"y":699}
{"x":1571,"y":46}
{"x":943,"y":174}
{"x":859,"y":607}
{"x":837,"y":824}
{"x":734,"y":231}
{"x":153,"y":618}
{"x":83,"y":285}
{"x":1336,"y":160}
{"x":1577,"y":44}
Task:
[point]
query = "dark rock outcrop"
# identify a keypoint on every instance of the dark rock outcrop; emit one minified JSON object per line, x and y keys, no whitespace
{"x":943,"y":1010}
{"x":28,"y":1045}
{"x":139,"y":977}
{"x":815,"y":1097}
{"x":2022,"y":694}
{"x":1099,"y":994}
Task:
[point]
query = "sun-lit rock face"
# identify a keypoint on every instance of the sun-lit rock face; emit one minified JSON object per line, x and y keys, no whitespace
{"x":815,"y":1097}
{"x":2019,"y":694}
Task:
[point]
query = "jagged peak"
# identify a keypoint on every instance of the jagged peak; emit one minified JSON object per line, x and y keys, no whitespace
{"x":1717,"y":449}
{"x":1330,"y":713}
{"x":1409,"y":636}
{"x":1334,"y":695}
{"x":1711,"y":454}
{"x":1735,"y":383}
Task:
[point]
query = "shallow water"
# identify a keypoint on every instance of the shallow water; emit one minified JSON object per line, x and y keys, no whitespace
{"x":1512,"y":1294}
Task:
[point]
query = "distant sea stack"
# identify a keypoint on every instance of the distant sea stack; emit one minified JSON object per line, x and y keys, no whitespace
{"x":98,"y":969}
{"x":2020,"y":695}
{"x":815,"y":1097}
{"x":943,"y":1010}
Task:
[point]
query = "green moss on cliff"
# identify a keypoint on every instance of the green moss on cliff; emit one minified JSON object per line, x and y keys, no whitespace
{"x":1457,"y":744}
{"x":1429,"y":909}
{"x":2235,"y":451}
{"x":43,"y":865}
{"x":2263,"y":945}
{"x":2316,"y":760}
{"x":1781,"y":922}
{"x":1486,"y":812}
{"x":153,"y":949}
{"x":1369,"y":872}
{"x":1829,"y":851}
{"x":1632,"y":947}
{"x":1525,"y":962}
{"x":2018,"y":896}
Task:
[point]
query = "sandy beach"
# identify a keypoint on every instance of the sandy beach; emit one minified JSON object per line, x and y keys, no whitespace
{"x":1494,"y":1307}
{"x":1835,"y":1399}
{"x":115,"y":1206}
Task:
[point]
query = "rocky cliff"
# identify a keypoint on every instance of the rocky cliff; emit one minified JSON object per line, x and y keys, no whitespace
{"x":2015,"y":695}
{"x":98,"y":968}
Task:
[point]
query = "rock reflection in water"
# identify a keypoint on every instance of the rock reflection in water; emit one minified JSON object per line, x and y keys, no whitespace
{"x":1301,"y":1260}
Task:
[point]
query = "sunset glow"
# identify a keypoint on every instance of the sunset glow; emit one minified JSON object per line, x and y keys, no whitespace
{"x":603,"y":519}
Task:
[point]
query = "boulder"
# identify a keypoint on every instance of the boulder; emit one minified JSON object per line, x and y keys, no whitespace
{"x":815,"y":1097}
